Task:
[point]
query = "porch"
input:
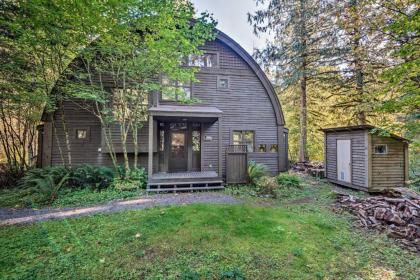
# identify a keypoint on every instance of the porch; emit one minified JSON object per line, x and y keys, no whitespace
{"x":176,"y":158}
{"x":184,"y":181}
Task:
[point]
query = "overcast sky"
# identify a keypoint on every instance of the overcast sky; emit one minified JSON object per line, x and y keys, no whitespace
{"x":232,"y":20}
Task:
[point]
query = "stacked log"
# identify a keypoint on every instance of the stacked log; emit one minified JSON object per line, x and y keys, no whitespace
{"x":397,"y":214}
{"x":315,"y":169}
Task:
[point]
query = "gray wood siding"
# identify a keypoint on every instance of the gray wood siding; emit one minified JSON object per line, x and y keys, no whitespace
{"x":245,"y":105}
{"x":358,"y":156}
{"x":85,"y":152}
{"x":388,"y":169}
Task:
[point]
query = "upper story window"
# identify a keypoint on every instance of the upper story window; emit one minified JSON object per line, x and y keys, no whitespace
{"x":207,"y":60}
{"x":223,"y":82}
{"x":175,"y":90}
{"x":244,"y":137}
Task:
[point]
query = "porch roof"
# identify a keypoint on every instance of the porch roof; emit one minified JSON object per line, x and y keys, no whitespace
{"x":185,"y":111}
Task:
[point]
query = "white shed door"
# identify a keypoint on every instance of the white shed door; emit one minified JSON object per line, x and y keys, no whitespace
{"x":344,"y":160}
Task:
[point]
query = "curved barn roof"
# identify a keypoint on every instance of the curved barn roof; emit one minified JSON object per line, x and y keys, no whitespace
{"x":257,"y":70}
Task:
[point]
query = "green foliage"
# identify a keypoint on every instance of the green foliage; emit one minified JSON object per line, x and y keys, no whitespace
{"x":234,"y":274}
{"x":43,"y":176}
{"x":255,"y":171}
{"x":135,"y":178}
{"x":85,"y":197}
{"x":288,"y":180}
{"x":90,"y":176}
{"x":267,"y":186}
{"x":9,"y":176}
{"x":45,"y":183}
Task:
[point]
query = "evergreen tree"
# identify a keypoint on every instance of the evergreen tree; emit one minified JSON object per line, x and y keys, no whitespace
{"x":303,"y":42}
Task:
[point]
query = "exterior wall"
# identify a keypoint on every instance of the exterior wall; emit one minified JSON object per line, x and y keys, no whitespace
{"x":90,"y":151}
{"x":245,"y":105}
{"x":388,"y":170}
{"x":359,"y":162}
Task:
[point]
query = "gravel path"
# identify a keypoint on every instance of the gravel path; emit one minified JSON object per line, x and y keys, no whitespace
{"x":23,"y":216}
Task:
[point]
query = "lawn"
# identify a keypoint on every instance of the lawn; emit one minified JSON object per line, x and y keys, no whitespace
{"x":294,"y":237}
{"x":18,"y":198}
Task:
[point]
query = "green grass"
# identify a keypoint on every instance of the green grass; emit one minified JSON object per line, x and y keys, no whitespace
{"x":208,"y":241}
{"x":17,"y":198}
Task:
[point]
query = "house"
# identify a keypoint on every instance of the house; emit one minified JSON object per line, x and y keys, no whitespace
{"x":186,"y":146}
{"x":357,"y":158}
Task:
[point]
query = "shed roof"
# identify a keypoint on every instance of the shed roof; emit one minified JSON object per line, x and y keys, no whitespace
{"x":360,"y":127}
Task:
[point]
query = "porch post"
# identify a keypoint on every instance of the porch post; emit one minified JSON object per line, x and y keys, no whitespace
{"x":219,"y":126}
{"x":150,"y":155}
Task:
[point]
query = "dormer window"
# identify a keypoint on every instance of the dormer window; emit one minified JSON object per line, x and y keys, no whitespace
{"x":207,"y":60}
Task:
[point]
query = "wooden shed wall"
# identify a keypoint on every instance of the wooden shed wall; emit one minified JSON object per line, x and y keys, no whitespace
{"x":388,"y":169}
{"x":359,"y":158}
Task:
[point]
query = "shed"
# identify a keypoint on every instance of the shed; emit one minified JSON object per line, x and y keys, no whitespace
{"x":357,"y":158}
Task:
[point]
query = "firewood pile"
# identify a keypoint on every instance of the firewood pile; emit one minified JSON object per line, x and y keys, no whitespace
{"x":315,"y":169}
{"x":396,"y":213}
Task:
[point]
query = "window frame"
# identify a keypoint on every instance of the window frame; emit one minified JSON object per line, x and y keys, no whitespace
{"x":376,"y":153}
{"x":190,"y":87}
{"x":205,"y":52}
{"x":262,"y":145}
{"x":75,"y":134}
{"x":243,"y":131}
{"x":276,"y":149}
{"x":219,"y":78}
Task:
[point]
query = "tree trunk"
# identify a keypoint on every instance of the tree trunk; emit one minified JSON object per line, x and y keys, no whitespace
{"x":303,"y":141}
{"x":135,"y":143}
{"x":66,"y":135}
{"x":358,"y":65}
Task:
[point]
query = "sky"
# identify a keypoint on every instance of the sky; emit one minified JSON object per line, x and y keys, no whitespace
{"x":233,"y":20}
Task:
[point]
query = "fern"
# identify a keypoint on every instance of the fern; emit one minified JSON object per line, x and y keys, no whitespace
{"x":255,"y":171}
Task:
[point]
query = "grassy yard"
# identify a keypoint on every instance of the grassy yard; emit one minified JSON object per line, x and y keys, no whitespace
{"x":296,"y":236}
{"x":17,"y":198}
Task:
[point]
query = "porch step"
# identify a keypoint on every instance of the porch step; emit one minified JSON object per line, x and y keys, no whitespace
{"x":185,"y":186}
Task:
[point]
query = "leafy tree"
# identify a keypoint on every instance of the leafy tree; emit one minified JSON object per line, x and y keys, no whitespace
{"x":301,"y":46}
{"x":119,"y":71}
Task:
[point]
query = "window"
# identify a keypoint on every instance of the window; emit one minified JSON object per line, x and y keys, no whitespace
{"x":274,"y":148}
{"x":381,"y":149}
{"x":262,"y":148}
{"x":207,"y":60}
{"x":161,"y":140}
{"x":81,"y":134}
{"x":244,"y":137}
{"x":196,"y":140}
{"x":223,"y":83}
{"x":175,"y":90}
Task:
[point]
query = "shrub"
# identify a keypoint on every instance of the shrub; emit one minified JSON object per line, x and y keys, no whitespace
{"x":34,"y":177}
{"x":267,"y":186}
{"x":45,"y":183}
{"x":255,"y":171}
{"x":288,"y":180}
{"x":9,"y":176}
{"x":134,"y":179}
{"x":94,"y":177}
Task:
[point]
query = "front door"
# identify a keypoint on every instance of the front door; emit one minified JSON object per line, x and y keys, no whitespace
{"x":344,"y":160}
{"x":178,"y":147}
